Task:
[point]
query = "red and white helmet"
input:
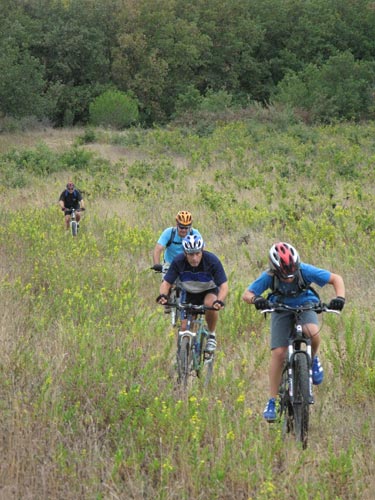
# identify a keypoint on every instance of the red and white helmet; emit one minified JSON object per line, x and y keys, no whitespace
{"x":284,"y":260}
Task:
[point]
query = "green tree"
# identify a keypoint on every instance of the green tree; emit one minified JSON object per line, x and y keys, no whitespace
{"x":75,"y":44}
{"x":158,"y":56}
{"x":114,"y":109}
{"x":342,"y":88}
{"x":22,"y":81}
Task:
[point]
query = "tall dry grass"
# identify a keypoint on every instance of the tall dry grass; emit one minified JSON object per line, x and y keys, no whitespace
{"x":89,"y":407}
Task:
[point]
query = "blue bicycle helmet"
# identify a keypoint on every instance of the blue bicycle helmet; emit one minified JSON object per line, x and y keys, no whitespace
{"x":192,"y":243}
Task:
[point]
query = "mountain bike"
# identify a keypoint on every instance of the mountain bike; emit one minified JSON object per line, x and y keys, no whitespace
{"x":74,"y":225}
{"x":192,"y":360}
{"x":296,"y":387}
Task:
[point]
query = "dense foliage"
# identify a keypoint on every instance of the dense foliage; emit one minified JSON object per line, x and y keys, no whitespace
{"x":57,"y":57}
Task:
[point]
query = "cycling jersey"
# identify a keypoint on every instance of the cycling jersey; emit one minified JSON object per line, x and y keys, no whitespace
{"x":290,"y":293}
{"x":208,"y":275}
{"x":71,"y":200}
{"x":175,"y":247}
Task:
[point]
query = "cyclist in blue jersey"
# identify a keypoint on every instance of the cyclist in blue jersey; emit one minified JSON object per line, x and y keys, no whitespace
{"x":202,"y":279}
{"x":290,"y":281}
{"x":170,"y":241}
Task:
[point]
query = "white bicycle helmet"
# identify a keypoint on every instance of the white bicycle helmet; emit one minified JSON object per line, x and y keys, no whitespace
{"x":284,"y":260}
{"x":192,"y":244}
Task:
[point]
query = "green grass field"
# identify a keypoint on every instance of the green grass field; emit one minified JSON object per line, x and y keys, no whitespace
{"x":88,"y":403}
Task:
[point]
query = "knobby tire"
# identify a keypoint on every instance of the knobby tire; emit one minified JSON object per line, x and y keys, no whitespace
{"x":184,"y":358}
{"x":301,"y":398}
{"x":173,"y":299}
{"x":206,"y":365}
{"x":74,"y":228}
{"x":285,"y":408}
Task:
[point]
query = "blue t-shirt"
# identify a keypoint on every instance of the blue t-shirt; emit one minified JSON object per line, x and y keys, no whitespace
{"x":175,"y":247}
{"x":207,"y":275}
{"x":311,"y":274}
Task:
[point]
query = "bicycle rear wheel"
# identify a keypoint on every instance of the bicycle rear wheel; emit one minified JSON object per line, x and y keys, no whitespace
{"x":301,"y":405}
{"x":183,"y":361}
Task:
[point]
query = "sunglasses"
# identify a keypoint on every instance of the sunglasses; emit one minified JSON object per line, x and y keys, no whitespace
{"x":180,"y":226}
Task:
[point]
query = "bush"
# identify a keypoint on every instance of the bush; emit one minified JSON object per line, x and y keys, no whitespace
{"x":114,"y":109}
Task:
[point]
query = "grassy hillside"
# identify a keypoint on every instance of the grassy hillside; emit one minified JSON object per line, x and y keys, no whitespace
{"x":89,"y":407}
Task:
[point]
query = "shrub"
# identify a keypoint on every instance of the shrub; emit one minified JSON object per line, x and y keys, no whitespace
{"x":114,"y":109}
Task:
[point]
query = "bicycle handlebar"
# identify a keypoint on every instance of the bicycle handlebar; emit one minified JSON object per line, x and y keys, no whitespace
{"x":319,"y":307}
{"x":193,"y":308}
{"x":72,"y":208}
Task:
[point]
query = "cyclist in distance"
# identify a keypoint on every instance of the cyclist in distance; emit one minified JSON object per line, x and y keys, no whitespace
{"x":70,"y":198}
{"x":289,"y":281}
{"x":170,"y":240}
{"x":202,"y":279}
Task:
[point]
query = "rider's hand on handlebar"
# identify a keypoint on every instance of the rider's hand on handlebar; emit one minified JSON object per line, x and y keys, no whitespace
{"x":337,"y":304}
{"x":63,"y":209}
{"x":162,"y":299}
{"x":218,"y":304}
{"x":157,"y":267}
{"x":261,"y":303}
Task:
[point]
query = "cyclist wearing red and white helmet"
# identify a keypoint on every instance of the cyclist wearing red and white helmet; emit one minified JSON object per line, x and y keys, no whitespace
{"x":170,"y":241}
{"x":289,"y":281}
{"x":202,"y":279}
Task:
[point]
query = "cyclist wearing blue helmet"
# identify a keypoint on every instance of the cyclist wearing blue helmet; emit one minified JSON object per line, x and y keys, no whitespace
{"x":202,"y":279}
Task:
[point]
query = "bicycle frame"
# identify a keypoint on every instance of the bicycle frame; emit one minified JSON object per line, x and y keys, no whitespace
{"x":191,"y":358}
{"x":73,"y":224}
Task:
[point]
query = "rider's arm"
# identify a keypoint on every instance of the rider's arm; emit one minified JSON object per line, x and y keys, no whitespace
{"x":248,"y":297}
{"x":257,"y":287}
{"x":164,"y":290}
{"x":223,"y":291}
{"x":338,"y":284}
{"x":81,"y":204}
{"x":157,"y":253}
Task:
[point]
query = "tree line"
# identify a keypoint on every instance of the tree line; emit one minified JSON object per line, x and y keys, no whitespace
{"x":173,"y":56}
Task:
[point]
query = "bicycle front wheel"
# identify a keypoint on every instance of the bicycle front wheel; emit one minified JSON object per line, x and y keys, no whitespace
{"x":183,"y":361}
{"x":206,"y":365}
{"x":301,"y":405}
{"x":173,"y":299}
{"x":285,"y":407}
{"x":74,"y":227}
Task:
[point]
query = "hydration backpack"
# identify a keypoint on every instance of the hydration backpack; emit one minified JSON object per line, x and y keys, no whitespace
{"x":173,"y":234}
{"x":75,"y":194}
{"x":302,"y":286}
